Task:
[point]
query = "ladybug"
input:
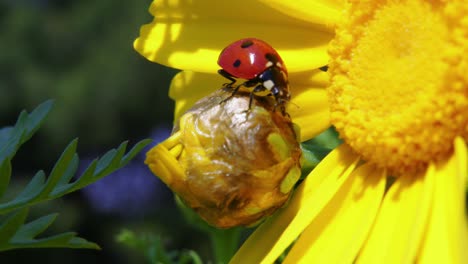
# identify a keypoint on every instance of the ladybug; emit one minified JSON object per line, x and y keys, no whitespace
{"x":260,"y":65}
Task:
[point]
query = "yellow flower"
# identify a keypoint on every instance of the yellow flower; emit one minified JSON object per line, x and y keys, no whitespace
{"x":189,"y":35}
{"x":223,"y":166}
{"x":185,"y":25}
{"x":395,"y":191}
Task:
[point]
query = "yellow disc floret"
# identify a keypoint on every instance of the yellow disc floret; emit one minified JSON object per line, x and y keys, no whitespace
{"x":399,"y":92}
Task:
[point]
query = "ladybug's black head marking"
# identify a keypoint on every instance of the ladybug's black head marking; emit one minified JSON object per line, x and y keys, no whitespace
{"x":272,"y":57}
{"x":237,"y":63}
{"x":247,"y":43}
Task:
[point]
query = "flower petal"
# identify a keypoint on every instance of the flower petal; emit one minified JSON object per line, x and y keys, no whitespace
{"x":163,"y":163}
{"x":399,"y":226}
{"x":307,"y":10}
{"x":355,"y":205}
{"x":279,"y":231}
{"x":308,"y":107}
{"x":446,"y":238}
{"x":309,"y":104}
{"x":188,"y":87}
{"x":190,"y":35}
{"x":314,"y":78}
{"x":461,"y":153}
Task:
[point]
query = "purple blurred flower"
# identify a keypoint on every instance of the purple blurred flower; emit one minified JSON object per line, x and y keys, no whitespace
{"x":130,"y":191}
{"x":159,"y":134}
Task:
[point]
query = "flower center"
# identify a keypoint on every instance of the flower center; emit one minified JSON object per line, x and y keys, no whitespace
{"x":399,"y":92}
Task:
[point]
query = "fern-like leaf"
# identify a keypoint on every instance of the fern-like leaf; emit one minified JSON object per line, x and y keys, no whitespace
{"x":11,"y":138}
{"x":14,"y":232}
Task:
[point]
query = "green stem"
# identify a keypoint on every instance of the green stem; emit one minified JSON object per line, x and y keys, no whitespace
{"x":225,"y":243}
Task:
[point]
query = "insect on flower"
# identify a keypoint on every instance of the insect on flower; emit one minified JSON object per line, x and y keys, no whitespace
{"x":262,"y":67}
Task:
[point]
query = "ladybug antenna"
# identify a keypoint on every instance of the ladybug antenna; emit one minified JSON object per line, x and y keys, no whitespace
{"x":296,"y":105}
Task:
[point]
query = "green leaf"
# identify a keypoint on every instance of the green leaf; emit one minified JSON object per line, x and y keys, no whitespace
{"x":128,"y":238}
{"x":311,"y":156}
{"x":135,"y":150}
{"x":5,"y":174}
{"x":314,"y":150}
{"x":60,"y":168}
{"x":38,"y":190}
{"x":148,"y":244}
{"x":152,"y":247}
{"x":327,"y":139}
{"x":9,"y":148}
{"x":5,"y":134}
{"x":113,"y":161}
{"x":78,"y":242}
{"x":12,"y":137}
{"x":11,"y":224}
{"x":33,"y":188}
{"x":65,"y":240}
{"x":15,"y":234}
{"x":190,"y":257}
{"x":32,"y":229}
{"x":36,"y":118}
{"x":85,"y":177}
{"x":105,"y":161}
{"x":70,"y":172}
{"x":24,"y":128}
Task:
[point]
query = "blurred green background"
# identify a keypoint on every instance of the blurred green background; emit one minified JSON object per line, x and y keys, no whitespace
{"x":80,"y":54}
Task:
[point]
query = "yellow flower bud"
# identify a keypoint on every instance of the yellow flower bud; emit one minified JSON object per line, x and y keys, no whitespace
{"x":232,"y":165}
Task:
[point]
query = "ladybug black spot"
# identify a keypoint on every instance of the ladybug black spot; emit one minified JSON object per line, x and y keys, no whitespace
{"x":237,"y":63}
{"x":271,"y":57}
{"x":247,"y":44}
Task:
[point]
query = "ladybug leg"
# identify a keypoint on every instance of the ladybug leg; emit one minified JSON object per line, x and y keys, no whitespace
{"x":234,"y":91}
{"x":249,"y":83}
{"x":250,"y":100}
{"x":258,"y":88}
{"x":280,"y":104}
{"x":282,"y":108}
{"x":228,"y":76}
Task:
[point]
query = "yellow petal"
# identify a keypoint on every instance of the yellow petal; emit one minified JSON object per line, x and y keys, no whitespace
{"x":188,"y":87}
{"x":446,"y":239}
{"x":190,"y":35}
{"x":338,"y":232}
{"x":461,"y":153}
{"x":307,"y":10}
{"x":313,"y":78}
{"x":399,"y":226}
{"x":309,"y":109}
{"x":309,"y":104}
{"x":278,"y":232}
{"x":162,"y":163}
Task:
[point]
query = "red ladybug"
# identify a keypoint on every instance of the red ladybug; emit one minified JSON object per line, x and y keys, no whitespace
{"x":257,"y":62}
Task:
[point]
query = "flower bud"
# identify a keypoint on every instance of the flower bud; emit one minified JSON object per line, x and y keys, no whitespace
{"x":231,"y":164}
